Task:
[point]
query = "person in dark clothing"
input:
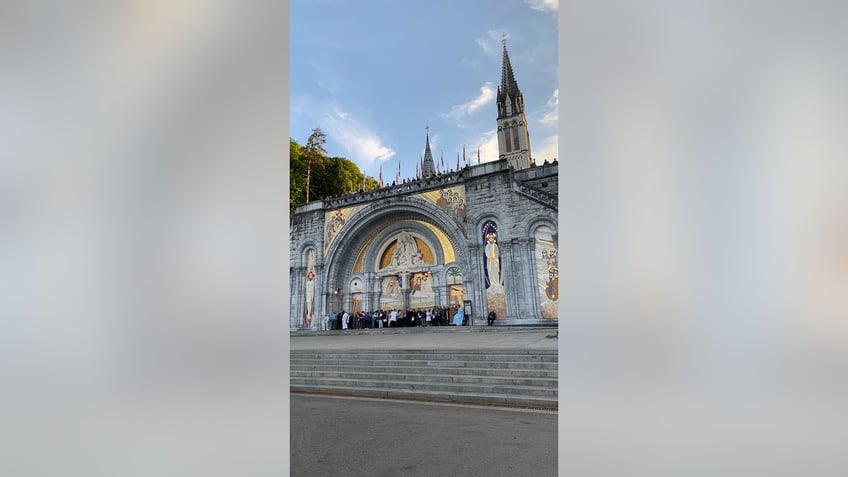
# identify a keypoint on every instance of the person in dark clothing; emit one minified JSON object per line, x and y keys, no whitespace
{"x":492,"y":317}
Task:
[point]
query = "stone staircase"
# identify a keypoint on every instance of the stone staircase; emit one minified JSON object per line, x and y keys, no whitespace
{"x":515,"y":378}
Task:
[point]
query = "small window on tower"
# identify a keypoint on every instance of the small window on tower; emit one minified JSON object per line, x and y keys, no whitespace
{"x":508,"y":142}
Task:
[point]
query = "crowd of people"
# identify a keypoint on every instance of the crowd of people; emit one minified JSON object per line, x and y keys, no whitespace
{"x":394,"y":318}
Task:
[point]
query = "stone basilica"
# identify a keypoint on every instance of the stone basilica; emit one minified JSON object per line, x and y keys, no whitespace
{"x":484,"y":236}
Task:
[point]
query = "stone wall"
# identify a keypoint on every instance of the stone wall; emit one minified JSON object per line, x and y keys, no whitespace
{"x":493,"y":192}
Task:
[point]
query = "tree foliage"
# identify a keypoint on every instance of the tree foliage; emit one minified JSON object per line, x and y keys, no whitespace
{"x":329,"y":176}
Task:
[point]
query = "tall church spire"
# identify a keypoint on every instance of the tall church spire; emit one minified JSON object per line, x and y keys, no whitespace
{"x":428,"y":167}
{"x":513,"y":136}
{"x":508,"y":83}
{"x":510,"y":99}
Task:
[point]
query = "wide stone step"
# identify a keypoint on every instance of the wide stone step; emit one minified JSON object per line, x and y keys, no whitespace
{"x":425,"y":357}
{"x":431,"y":378}
{"x":529,"y":373}
{"x":415,"y":356}
{"x":429,"y":396}
{"x":329,"y":363}
{"x":447,"y":388}
{"x":432,"y":351}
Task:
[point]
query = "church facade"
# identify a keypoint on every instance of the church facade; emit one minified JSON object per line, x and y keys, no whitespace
{"x":484,"y":237}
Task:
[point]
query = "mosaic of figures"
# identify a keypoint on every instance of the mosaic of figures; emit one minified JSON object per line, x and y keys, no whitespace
{"x":390,"y":292}
{"x":334,"y":221}
{"x":492,"y":267}
{"x":421,"y":291}
{"x":450,"y":200}
{"x":547,"y":272}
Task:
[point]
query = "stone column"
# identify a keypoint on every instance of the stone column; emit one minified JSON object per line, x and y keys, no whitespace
{"x":405,"y":292}
{"x":510,"y":278}
{"x":531,"y":272}
{"x":378,"y":291}
{"x":441,"y":293}
{"x":518,"y":256}
{"x":297,"y":302}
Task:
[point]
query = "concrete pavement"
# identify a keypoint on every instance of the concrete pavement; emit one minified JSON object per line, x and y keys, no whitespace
{"x":364,"y":437}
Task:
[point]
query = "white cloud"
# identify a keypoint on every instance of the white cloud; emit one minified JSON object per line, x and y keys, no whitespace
{"x":543,"y":5}
{"x":491,"y":44}
{"x":547,"y":149}
{"x":486,"y":96}
{"x":551,"y":114}
{"x":488,"y":144}
{"x":364,"y":145}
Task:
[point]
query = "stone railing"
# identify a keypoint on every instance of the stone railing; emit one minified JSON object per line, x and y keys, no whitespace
{"x":409,"y":187}
{"x":541,"y":197}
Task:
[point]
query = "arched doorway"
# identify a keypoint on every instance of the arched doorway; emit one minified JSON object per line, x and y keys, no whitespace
{"x":402,"y":253}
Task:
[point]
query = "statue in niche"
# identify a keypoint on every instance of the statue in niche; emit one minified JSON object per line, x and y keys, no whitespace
{"x":310,"y":299}
{"x":406,"y":252}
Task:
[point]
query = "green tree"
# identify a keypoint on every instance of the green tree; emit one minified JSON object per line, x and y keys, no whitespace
{"x":314,"y":175}
{"x":297,"y":175}
{"x":314,"y":151}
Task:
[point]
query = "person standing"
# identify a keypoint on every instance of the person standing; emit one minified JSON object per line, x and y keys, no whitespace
{"x":345,"y":319}
{"x":334,"y":321}
{"x":459,"y":316}
{"x":393,"y":318}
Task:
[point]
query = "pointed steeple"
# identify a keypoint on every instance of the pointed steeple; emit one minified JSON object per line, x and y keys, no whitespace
{"x":508,"y":83}
{"x":510,"y":100}
{"x":428,"y":167}
{"x":513,"y":137}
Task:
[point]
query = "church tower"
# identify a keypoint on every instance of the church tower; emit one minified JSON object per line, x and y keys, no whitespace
{"x":513,"y":136}
{"x":428,"y":167}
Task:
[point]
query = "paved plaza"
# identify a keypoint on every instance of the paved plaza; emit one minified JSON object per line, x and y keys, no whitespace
{"x":335,"y":436}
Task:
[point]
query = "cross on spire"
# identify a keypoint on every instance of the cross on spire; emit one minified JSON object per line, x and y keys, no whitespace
{"x":428,"y":130}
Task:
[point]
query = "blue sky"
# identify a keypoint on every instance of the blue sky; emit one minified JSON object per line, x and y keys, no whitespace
{"x":374,"y":73}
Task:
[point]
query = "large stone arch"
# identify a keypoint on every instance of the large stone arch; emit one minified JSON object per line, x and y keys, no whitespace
{"x":544,"y":267}
{"x":298,"y":282}
{"x":383,"y":219}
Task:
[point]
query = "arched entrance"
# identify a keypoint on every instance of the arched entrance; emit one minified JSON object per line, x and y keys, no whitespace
{"x":403,"y":253}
